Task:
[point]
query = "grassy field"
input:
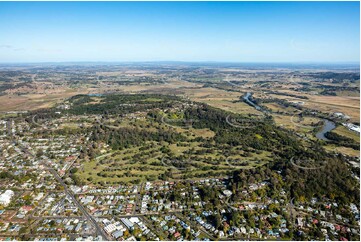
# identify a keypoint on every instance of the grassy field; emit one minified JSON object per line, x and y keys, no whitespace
{"x":33,"y":101}
{"x":306,"y":125}
{"x":275,"y":107}
{"x":189,"y":159}
{"x":222,"y":99}
{"x":350,"y":105}
{"x":343,"y":150}
{"x":341,"y":130}
{"x":120,"y":167}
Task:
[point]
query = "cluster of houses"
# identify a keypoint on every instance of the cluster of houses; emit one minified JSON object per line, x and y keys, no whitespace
{"x":102,"y":205}
{"x":344,"y":117}
{"x":61,"y":152}
{"x":57,"y":204}
{"x":66,"y":225}
{"x":341,"y":115}
{"x":117,"y":207}
{"x":352,"y":127}
{"x":11,"y":228}
{"x":125,"y":229}
{"x":158,"y":186}
{"x":132,"y":189}
{"x":173,"y":226}
{"x":150,"y":205}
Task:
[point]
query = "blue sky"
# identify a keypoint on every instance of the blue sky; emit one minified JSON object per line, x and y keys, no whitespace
{"x":180,"y":31}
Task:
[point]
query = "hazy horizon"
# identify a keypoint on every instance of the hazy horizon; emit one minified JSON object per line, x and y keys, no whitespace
{"x":233,"y":32}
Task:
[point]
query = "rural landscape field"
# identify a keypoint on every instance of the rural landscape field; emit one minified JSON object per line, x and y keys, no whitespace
{"x":180,"y":121}
{"x":141,"y":135}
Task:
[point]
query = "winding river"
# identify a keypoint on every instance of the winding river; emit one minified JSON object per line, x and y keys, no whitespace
{"x":327,"y":127}
{"x":247,"y":97}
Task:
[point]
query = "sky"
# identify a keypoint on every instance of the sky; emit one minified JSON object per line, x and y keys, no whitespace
{"x":180,"y":31}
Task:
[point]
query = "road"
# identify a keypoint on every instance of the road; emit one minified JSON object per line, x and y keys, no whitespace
{"x":34,"y":122}
{"x":99,"y":230}
{"x":138,"y":201}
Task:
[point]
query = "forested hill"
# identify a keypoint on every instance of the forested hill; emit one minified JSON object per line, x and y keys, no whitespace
{"x":329,"y":176}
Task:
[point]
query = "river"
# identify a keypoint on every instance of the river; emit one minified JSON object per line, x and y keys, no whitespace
{"x":327,"y":127}
{"x":247,"y":100}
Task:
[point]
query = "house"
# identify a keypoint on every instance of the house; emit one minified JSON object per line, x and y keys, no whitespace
{"x":132,"y":238}
{"x":39,"y":196}
{"x":299,"y":222}
{"x":78,"y":227}
{"x":25,"y":209}
{"x":227,"y":193}
{"x":127,"y":223}
{"x":117,"y":234}
{"x":5,"y":198}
